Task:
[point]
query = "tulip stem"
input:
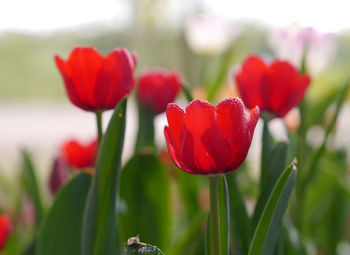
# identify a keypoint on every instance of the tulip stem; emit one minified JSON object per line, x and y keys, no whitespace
{"x":145,"y":136}
{"x":99,"y":126}
{"x":214,"y":215}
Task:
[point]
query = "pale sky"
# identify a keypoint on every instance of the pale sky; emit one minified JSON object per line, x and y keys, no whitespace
{"x":49,"y":15}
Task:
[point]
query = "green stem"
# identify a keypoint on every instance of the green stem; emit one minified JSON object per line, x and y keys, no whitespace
{"x":214,"y":215}
{"x":145,"y":136}
{"x":267,"y":146}
{"x":99,"y":126}
{"x":301,"y":156}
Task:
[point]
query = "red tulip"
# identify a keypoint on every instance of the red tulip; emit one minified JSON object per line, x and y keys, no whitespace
{"x":94,"y":82}
{"x":59,"y":174}
{"x":205,"y":139}
{"x":157,"y":88}
{"x":275,"y":88}
{"x":5,"y":229}
{"x":80,"y":155}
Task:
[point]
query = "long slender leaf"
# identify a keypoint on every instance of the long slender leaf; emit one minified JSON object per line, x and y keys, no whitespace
{"x":99,"y":224}
{"x":32,"y":186}
{"x":240,"y":222}
{"x":61,"y":229}
{"x":276,"y":166}
{"x":267,"y":231}
{"x":144,"y":201}
{"x":311,"y":167}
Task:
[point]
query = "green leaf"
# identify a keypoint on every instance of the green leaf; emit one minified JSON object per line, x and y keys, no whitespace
{"x":61,"y":229}
{"x":277,"y":163}
{"x":311,"y":166}
{"x":267,"y":231}
{"x":144,"y":201}
{"x":13,"y":244}
{"x":326,"y":202}
{"x":99,"y":224}
{"x":293,"y":242}
{"x":135,"y":247}
{"x":31,"y":185}
{"x":240,"y":222}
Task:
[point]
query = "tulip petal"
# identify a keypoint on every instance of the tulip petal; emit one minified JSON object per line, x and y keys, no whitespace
{"x":296,"y":95}
{"x":172,"y":153}
{"x":175,"y":116}
{"x":233,"y":120}
{"x":79,"y":155}
{"x":157,"y":88}
{"x":70,"y":88}
{"x":249,"y":81}
{"x":204,"y":149}
{"x":115,"y":78}
{"x":5,"y":229}
{"x":282,"y":77}
{"x":243,"y":148}
{"x":82,"y":67}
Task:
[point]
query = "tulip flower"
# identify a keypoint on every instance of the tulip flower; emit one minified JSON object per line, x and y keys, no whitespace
{"x":94,"y":82}
{"x":276,"y":88}
{"x":210,"y":140}
{"x":97,"y":83}
{"x":79,"y":155}
{"x":157,"y":88}
{"x":5,"y":229}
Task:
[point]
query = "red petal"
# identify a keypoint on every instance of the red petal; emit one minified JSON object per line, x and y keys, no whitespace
{"x":173,"y":153}
{"x":175,"y":116}
{"x":5,"y":229}
{"x":248,"y":81}
{"x":245,"y":145}
{"x":205,"y":150}
{"x":296,"y":95}
{"x":115,"y":78}
{"x":70,"y":88}
{"x":233,"y":122}
{"x":157,"y":88}
{"x":82,"y":67}
{"x":282,"y":77}
{"x":287,"y":87}
{"x":80,"y":155}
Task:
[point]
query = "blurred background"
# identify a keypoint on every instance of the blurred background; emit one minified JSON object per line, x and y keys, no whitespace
{"x":189,"y":35}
